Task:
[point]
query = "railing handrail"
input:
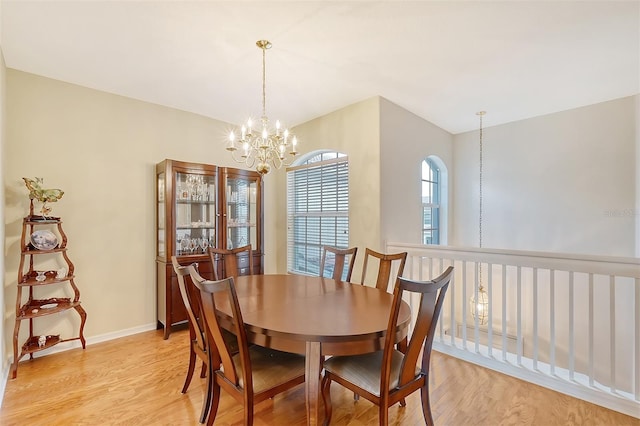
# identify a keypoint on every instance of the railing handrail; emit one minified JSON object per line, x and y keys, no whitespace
{"x":595,"y":264}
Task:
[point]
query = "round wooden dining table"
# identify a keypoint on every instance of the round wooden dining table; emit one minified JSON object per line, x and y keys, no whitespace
{"x":316,"y":316}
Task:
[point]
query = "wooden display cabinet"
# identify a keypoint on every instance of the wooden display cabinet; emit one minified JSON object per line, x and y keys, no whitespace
{"x":198,"y":206}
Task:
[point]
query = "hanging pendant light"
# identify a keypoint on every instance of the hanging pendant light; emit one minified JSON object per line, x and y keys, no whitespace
{"x":480,"y":307}
{"x":479,"y":302}
{"x":262,"y":145}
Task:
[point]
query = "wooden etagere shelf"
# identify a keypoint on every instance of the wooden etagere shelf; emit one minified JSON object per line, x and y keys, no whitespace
{"x":53,"y":249}
{"x":51,"y":278}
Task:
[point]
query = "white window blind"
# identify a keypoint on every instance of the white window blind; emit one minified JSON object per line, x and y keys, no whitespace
{"x":317,"y":210}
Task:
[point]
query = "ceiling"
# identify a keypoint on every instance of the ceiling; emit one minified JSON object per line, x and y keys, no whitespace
{"x":443,"y":61}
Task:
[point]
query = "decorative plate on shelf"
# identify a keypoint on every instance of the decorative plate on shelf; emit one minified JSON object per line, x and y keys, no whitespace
{"x":49,"y":305}
{"x":43,"y":239}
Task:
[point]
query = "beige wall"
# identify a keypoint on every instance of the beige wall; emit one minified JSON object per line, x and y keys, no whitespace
{"x":637,"y":182}
{"x":101,"y":149}
{"x":355,"y":131}
{"x":405,"y":141}
{"x":562,"y":182}
{"x":3,"y":85}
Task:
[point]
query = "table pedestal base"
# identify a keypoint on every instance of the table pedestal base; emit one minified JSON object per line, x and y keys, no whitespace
{"x":313,"y":365}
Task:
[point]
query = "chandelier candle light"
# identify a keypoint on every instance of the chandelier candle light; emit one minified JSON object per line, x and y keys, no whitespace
{"x":266,"y":146}
{"x":479,"y":302}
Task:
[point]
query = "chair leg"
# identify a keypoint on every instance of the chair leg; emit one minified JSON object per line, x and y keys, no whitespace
{"x":208,"y":399}
{"x":383,"y":413}
{"x":326,"y":398}
{"x":248,"y":416}
{"x":192,"y":366}
{"x":203,"y":371}
{"x":248,"y":413}
{"x":426,"y":404}
{"x":402,"y":347}
{"x":215,"y":399}
{"x":356,"y":397}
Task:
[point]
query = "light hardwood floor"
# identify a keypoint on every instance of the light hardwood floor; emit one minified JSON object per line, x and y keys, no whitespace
{"x":137,"y":380}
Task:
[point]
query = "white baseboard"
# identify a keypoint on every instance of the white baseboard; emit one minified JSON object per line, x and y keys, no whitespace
{"x":3,"y":381}
{"x":65,"y":346}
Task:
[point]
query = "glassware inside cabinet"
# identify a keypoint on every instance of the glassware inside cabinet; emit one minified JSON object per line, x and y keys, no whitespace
{"x":195,"y":213}
{"x":241,"y":212}
{"x":160,"y":215}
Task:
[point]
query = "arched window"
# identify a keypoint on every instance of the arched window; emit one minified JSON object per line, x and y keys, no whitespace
{"x":317,"y":208}
{"x":434,"y":197}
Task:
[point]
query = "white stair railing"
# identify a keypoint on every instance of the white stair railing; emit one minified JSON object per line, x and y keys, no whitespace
{"x":567,"y":322}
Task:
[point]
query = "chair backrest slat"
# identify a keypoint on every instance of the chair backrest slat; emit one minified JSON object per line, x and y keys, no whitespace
{"x":225,"y":261}
{"x":385,"y":264}
{"x":341,"y":258}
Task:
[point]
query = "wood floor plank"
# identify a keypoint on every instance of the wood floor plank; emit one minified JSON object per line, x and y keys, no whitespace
{"x":137,"y":380}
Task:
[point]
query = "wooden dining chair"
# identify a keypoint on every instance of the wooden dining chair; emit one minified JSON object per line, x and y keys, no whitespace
{"x":231,"y":262}
{"x":198,"y":346}
{"x":386,"y":262}
{"x":255,"y":373}
{"x":342,"y":260}
{"x":386,"y":377}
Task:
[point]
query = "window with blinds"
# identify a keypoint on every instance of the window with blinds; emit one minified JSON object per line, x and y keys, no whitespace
{"x":317,"y":209}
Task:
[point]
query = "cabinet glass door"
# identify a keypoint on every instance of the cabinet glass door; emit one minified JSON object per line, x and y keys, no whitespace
{"x":162,"y":232}
{"x":241,"y":195}
{"x":195,"y":213}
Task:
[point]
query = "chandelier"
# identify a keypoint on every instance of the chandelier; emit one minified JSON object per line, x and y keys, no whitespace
{"x":479,"y":302}
{"x":260,"y":144}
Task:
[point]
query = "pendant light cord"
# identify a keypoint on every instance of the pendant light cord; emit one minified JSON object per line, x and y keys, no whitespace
{"x":480,"y":182}
{"x":481,"y":114}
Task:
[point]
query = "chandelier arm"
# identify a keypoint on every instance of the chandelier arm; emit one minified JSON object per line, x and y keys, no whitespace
{"x":250,"y":160}
{"x":277,"y":162}
{"x":236,"y":158}
{"x":284,"y":161}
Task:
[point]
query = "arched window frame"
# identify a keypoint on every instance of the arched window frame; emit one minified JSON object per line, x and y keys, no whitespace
{"x":434,"y":197}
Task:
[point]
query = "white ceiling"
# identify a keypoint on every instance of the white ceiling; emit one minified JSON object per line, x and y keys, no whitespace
{"x":444,"y":61}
